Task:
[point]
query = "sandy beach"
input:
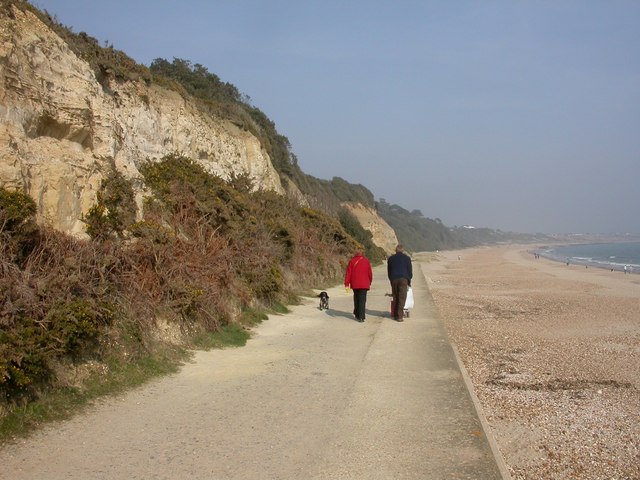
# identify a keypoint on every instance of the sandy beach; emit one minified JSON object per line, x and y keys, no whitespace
{"x":554,"y":355}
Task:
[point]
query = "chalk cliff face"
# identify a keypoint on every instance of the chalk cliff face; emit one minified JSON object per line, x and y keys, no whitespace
{"x":383,"y":235}
{"x":61,"y":130}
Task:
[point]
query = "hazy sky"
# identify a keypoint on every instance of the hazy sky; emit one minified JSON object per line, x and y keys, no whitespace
{"x":518,"y":115}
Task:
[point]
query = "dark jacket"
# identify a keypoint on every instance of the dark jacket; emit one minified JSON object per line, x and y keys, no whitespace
{"x":399,"y":266}
{"x":359,"y":274}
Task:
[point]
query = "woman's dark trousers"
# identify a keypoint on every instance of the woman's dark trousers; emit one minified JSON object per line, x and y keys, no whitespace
{"x":359,"y":302}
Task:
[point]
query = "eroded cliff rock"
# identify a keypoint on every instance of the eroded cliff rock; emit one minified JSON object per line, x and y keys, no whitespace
{"x":61,"y":130}
{"x":383,"y":235}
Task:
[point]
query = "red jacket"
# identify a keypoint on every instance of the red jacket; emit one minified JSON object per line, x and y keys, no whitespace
{"x":359,"y":274}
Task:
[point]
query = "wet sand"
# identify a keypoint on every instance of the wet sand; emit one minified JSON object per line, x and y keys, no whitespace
{"x":554,"y":355}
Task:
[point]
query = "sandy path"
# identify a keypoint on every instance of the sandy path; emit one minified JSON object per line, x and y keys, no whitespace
{"x":554,"y":355}
{"x":312,"y":395}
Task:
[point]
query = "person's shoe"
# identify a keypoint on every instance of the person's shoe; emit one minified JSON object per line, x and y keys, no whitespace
{"x":399,"y":319}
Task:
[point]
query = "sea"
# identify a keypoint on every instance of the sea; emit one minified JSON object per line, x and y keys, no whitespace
{"x":613,"y":256}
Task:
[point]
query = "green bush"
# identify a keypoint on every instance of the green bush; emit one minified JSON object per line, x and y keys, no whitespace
{"x":16,"y":209}
{"x":115,"y":209}
{"x":18,"y":229}
{"x":30,"y":346}
{"x":192,"y":194}
{"x":99,"y":227}
{"x":152,"y":231}
{"x":76,"y":324}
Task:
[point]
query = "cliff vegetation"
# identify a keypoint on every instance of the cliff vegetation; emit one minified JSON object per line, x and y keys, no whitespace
{"x":209,"y":256}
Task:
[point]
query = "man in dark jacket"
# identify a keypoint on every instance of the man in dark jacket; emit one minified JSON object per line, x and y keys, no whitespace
{"x":400,"y":272}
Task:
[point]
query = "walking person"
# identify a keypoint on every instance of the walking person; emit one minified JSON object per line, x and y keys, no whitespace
{"x":359,"y":277}
{"x":400,"y":272}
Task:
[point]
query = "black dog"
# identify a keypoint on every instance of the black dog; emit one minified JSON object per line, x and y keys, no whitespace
{"x":324,"y":301}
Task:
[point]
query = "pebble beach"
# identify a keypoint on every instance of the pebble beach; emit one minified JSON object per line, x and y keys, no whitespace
{"x":553,"y":352}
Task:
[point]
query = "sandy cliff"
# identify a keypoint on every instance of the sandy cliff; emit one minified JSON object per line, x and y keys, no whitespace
{"x":383,"y":235}
{"x":61,"y":129}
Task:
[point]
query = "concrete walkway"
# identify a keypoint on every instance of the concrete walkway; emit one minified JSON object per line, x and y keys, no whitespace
{"x":410,"y":414}
{"x":313,"y":395}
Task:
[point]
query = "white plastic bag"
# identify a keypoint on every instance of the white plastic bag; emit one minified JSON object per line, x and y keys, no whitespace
{"x":408,"y":304}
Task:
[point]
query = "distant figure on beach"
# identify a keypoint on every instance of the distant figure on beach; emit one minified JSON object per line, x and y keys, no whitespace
{"x":458,"y":257}
{"x":625,"y":269}
{"x":400,"y":272}
{"x":358,"y":277}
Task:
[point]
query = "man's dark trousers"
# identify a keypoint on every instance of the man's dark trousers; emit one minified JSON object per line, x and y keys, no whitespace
{"x":399,"y":287}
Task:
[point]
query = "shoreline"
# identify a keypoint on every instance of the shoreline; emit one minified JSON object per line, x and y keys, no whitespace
{"x":547,"y":252}
{"x":594,"y":264}
{"x":553,"y":353}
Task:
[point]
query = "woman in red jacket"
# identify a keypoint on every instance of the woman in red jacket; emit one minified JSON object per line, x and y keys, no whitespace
{"x":359,"y":277}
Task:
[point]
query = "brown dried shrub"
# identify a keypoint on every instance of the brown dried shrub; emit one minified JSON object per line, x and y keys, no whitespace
{"x":203,"y":255}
